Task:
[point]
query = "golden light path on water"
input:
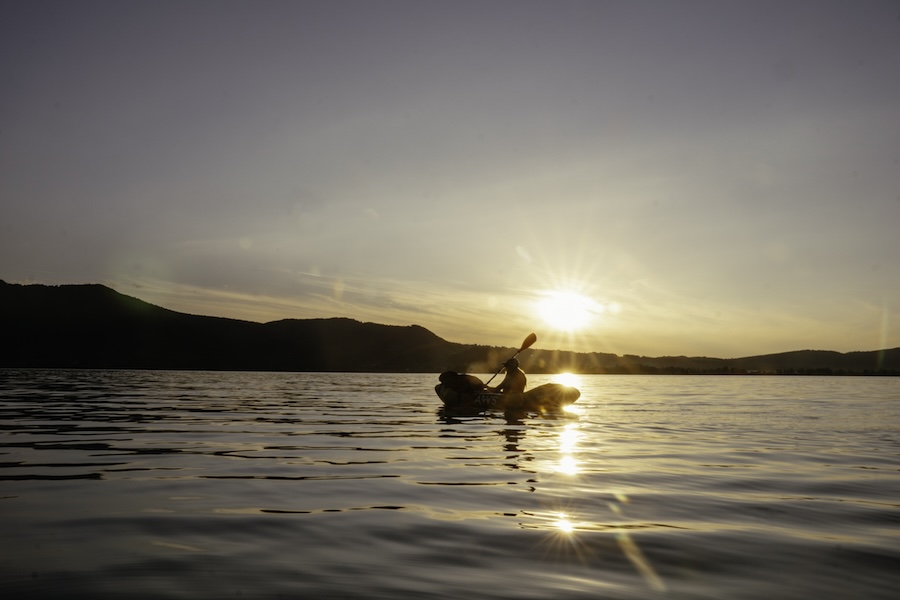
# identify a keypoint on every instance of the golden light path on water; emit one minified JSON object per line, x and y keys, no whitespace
{"x":565,"y":528}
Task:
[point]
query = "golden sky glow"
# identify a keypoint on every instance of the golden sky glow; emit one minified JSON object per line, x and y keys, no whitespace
{"x":645,"y":178}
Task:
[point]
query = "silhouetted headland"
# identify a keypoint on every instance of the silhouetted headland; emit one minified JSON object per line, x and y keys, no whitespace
{"x":94,"y":327}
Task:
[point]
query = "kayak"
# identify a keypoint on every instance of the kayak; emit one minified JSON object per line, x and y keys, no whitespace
{"x":460,"y":391}
{"x":550,"y":396}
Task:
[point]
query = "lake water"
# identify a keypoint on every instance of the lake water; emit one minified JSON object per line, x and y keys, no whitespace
{"x":284,"y":485}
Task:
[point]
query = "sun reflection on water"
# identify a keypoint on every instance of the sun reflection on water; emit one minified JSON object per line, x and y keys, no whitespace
{"x":568,"y":379}
{"x":564,"y":524}
{"x":567,"y":465}
{"x":569,"y":535}
{"x":568,"y":442}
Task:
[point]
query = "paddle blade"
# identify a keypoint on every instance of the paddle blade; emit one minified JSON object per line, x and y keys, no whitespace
{"x":531,"y":339}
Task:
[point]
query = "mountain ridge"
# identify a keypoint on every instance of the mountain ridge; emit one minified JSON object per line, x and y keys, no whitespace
{"x":94,"y":326}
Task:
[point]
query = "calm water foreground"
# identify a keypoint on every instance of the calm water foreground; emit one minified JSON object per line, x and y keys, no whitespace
{"x":271,"y":485}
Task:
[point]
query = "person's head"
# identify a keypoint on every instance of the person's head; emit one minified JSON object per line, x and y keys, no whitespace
{"x":511,"y":365}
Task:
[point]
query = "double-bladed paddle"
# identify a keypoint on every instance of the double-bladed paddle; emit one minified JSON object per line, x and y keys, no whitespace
{"x":532,"y":338}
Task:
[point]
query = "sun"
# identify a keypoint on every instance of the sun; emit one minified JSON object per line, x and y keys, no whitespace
{"x":567,"y":310}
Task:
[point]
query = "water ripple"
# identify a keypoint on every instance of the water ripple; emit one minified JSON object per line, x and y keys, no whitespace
{"x":206,"y":485}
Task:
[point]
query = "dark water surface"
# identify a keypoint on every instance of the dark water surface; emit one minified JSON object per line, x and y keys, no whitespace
{"x":271,"y":485}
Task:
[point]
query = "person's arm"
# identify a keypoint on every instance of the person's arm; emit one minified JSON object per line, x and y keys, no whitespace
{"x":501,"y":387}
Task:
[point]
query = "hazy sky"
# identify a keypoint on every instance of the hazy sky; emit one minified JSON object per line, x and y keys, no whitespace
{"x":718,"y":177}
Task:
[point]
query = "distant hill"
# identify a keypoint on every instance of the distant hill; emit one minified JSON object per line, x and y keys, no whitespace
{"x":93,"y":326}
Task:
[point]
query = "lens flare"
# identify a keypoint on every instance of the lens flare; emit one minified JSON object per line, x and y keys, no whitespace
{"x":639,"y":561}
